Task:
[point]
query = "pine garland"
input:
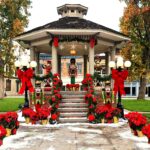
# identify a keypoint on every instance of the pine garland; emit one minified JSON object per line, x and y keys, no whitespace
{"x":41,"y":78}
{"x":102,"y":77}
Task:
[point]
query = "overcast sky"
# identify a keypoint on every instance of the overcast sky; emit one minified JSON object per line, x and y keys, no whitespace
{"x":104,"y":12}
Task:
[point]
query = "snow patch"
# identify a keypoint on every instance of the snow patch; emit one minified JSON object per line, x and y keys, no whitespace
{"x":85,"y":130}
{"x":143,"y":146}
{"x":142,"y":141}
{"x":51,"y":148}
{"x":20,"y":117}
{"x":10,"y":142}
{"x":78,"y":124}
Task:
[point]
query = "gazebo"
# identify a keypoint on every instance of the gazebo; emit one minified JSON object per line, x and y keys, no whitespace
{"x":72,"y":32}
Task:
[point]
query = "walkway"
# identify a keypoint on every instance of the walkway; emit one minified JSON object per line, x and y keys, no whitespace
{"x":75,"y":137}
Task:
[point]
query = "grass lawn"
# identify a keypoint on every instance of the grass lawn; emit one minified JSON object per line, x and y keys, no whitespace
{"x":10,"y":104}
{"x":137,"y":105}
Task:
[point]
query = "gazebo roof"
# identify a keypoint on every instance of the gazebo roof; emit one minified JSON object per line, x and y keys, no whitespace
{"x":72,"y":29}
{"x":73,"y":23}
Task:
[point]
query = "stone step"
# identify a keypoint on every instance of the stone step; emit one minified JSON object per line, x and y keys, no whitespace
{"x":73,"y":105}
{"x":65,"y":96}
{"x":73,"y":119}
{"x":73,"y":100}
{"x":73,"y":114}
{"x":83,"y":109}
{"x":73,"y":92}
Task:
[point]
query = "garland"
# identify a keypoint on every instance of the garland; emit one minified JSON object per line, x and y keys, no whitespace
{"x":41,"y":78}
{"x":102,"y":78}
{"x":78,"y":39}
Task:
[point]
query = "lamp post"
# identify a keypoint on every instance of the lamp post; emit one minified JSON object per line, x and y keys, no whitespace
{"x":25,"y":72}
{"x":119,"y":74}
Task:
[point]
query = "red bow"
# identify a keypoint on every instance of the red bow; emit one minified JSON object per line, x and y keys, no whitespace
{"x":119,"y":78}
{"x":92,"y":42}
{"x":25,"y":77}
{"x":55,"y":41}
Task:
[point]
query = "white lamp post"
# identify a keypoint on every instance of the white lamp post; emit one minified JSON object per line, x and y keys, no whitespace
{"x":23,"y":66}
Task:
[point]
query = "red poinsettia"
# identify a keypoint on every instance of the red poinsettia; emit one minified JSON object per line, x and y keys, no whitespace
{"x":146,"y":132}
{"x":14,"y":131}
{"x":26,"y":112}
{"x":44,"y":113}
{"x":136,"y":119}
{"x":2,"y":132}
{"x":54,"y":116}
{"x":34,"y":117}
{"x":91,"y":117}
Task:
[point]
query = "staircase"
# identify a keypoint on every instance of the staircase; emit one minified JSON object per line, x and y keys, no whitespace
{"x":73,"y":107}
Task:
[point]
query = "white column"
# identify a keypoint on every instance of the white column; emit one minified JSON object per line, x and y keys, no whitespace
{"x":54,"y":60}
{"x":91,"y":60}
{"x":32,"y":54}
{"x":107,"y":55}
{"x":85,"y":65}
{"x":113,"y":53}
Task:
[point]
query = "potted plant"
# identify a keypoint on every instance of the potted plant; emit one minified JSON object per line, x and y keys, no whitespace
{"x":2,"y":134}
{"x":146,"y":132}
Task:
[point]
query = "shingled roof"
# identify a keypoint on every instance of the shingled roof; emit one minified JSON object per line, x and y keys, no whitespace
{"x":72,"y":23}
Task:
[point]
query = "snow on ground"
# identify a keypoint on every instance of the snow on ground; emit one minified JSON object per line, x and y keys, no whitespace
{"x":20,"y":118}
{"x":25,"y":140}
{"x":9,"y":143}
{"x":85,"y":130}
{"x":141,"y":142}
{"x":77,"y":124}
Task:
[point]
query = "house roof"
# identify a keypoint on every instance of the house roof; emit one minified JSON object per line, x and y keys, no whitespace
{"x":73,"y":23}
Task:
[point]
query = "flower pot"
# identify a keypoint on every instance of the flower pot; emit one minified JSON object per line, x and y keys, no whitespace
{"x":44,"y":122}
{"x":139,"y":133}
{"x":27,"y":120}
{"x":102,"y":120}
{"x":8,"y":132}
{"x":115,"y":119}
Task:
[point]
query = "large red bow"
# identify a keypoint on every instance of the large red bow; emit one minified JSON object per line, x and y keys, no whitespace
{"x":25,"y":77}
{"x":119,"y":77}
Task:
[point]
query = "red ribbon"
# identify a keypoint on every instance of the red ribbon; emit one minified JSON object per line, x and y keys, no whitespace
{"x":55,"y":40}
{"x":119,"y":77}
{"x":25,"y":77}
{"x":92,"y":42}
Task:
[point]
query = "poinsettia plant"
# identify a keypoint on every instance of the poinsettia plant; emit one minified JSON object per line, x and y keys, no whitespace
{"x":26,"y":112}
{"x":2,"y":134}
{"x":136,"y":120}
{"x":146,"y":132}
{"x":88,"y":83}
{"x":44,"y":113}
{"x":10,"y":119}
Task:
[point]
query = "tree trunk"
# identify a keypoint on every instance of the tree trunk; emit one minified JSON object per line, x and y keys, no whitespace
{"x":142,"y":89}
{"x":1,"y":87}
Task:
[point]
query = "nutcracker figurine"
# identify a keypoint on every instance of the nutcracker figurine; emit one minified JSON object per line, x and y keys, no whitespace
{"x":108,"y":95}
{"x":72,"y":70}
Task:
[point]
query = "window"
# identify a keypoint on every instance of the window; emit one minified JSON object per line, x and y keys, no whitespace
{"x":72,"y":11}
{"x":127,"y":90}
{"x":79,"y":68}
{"x":133,"y":91}
{"x":8,"y":85}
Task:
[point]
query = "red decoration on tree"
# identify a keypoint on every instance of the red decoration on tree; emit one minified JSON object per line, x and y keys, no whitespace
{"x":55,"y":40}
{"x":92,"y":42}
{"x":119,"y":77}
{"x":25,"y":77}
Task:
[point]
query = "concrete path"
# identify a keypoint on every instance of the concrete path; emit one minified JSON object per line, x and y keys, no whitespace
{"x":74,"y":137}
